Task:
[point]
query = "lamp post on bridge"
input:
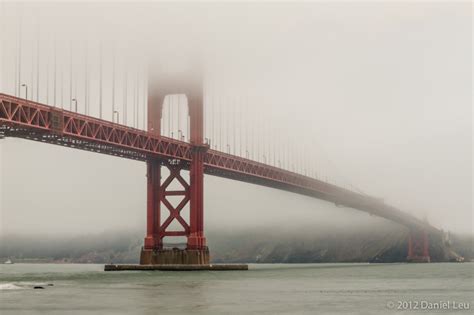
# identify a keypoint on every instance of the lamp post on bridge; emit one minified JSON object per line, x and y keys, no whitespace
{"x":181,"y":135}
{"x":75,"y":104}
{"x":118,"y":116}
{"x":26,"y":90}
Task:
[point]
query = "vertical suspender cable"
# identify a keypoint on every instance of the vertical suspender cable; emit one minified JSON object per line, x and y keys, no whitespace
{"x":75,"y":89}
{"x":47,"y":72}
{"x":179,"y":116}
{"x":227,"y":127}
{"x":19,"y":58}
{"x":61,"y":100}
{"x":125,"y":94}
{"x":100,"y":80}
{"x":113,"y":86}
{"x":234,"y":129}
{"x":189,"y":126}
{"x":55,"y":70}
{"x":288,"y":155}
{"x":169,"y":116}
{"x":246,"y":129}
{"x":32,"y":71}
{"x":70,"y":77}
{"x":257,"y":131}
{"x":4,"y":83}
{"x":172,"y":101}
{"x":145,"y":98}
{"x":37,"y":63}
{"x":137,"y":100}
{"x":134,"y":103}
{"x":16,"y":84}
{"x":252,"y":132}
{"x":203,"y":109}
{"x":274,"y":151}
{"x":213,"y":118}
{"x":221,"y":131}
{"x":86,"y":81}
{"x":241,"y":129}
{"x":261,"y":143}
{"x":61,"y":79}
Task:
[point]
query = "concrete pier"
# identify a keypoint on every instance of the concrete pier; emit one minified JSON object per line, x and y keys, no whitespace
{"x":418,"y":259}
{"x":174,"y":256}
{"x":217,"y":267}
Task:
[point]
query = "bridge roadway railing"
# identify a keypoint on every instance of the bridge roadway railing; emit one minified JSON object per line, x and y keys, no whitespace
{"x":39,"y":122}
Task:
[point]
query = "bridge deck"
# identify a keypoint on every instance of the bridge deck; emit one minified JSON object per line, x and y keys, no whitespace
{"x":34,"y":121}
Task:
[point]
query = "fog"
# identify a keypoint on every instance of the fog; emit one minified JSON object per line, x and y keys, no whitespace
{"x":375,"y":97}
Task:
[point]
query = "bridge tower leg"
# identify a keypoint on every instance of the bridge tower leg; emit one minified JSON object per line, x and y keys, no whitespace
{"x":153,"y":215}
{"x":418,"y":246}
{"x":196,"y":251}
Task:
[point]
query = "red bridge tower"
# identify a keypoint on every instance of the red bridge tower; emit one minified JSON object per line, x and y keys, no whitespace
{"x":158,"y":190}
{"x":418,"y":246}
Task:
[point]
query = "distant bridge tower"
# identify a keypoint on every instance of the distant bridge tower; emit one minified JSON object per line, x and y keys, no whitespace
{"x":418,"y":246}
{"x":196,"y":252}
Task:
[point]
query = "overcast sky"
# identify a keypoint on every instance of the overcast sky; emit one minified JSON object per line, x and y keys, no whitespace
{"x":376,"y":96}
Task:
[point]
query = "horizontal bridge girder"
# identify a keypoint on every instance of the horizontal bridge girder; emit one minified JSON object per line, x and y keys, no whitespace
{"x":175,"y":193}
{"x":175,"y":233}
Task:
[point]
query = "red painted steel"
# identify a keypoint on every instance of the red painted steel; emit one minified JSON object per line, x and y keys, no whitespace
{"x":418,"y":245}
{"x":174,"y":212}
{"x":154,"y":237}
{"x":154,"y":197}
{"x":196,"y":239}
{"x":192,"y":193}
{"x":34,"y":121}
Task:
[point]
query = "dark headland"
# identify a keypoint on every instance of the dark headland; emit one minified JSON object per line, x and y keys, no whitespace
{"x":383,"y":244}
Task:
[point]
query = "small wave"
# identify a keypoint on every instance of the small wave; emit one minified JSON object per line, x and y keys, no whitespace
{"x":9,"y":286}
{"x":32,"y":284}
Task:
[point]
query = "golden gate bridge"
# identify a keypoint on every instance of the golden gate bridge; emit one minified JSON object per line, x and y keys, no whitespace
{"x":167,"y":120}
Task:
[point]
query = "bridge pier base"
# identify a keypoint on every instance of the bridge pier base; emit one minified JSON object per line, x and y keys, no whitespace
{"x":418,"y":247}
{"x":174,"y":256}
{"x":419,"y":259}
